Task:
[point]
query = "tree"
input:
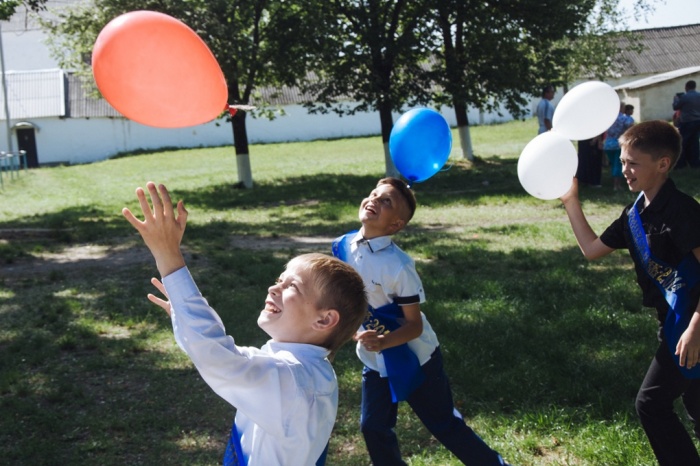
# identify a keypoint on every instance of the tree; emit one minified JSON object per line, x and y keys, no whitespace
{"x":371,"y":56}
{"x":490,"y":55}
{"x":9,"y":7}
{"x":256,"y":42}
{"x":597,"y":52}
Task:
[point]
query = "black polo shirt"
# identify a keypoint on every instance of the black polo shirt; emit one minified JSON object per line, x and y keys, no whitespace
{"x":672,"y":224}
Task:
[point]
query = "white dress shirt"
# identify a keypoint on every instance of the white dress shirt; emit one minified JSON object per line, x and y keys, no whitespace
{"x":285,"y":394}
{"x":389,"y":273}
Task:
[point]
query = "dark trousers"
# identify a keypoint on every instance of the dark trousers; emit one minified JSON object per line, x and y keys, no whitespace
{"x":690,"y":148}
{"x":662,"y":385}
{"x":432,"y":403}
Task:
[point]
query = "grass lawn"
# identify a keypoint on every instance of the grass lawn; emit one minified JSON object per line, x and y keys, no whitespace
{"x":545,"y":351}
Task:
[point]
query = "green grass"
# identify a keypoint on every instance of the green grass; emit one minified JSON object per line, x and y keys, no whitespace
{"x":545,"y":351}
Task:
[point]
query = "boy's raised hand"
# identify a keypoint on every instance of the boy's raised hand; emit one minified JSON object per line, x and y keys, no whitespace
{"x":161,"y":229}
{"x":572,"y":193}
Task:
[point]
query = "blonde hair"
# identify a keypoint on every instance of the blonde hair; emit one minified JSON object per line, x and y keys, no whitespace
{"x":337,"y":286}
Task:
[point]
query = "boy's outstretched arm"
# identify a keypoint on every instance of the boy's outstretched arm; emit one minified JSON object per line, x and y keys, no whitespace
{"x":591,"y":245}
{"x":161,"y":229}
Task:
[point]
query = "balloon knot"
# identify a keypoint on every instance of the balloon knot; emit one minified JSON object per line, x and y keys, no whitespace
{"x":232,"y":110}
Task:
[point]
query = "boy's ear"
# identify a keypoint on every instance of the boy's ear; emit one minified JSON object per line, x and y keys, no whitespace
{"x":397,"y":225}
{"x":328,"y":319}
{"x":665,"y":164}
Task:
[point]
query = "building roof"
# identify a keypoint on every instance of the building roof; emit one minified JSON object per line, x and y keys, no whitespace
{"x":659,"y":78}
{"x":665,"y":49}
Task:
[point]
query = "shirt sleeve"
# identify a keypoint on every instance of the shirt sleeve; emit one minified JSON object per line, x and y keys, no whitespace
{"x":614,"y":235}
{"x":408,"y":286}
{"x":248,"y":378}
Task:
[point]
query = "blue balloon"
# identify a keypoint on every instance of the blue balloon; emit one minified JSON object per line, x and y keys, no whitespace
{"x":420,"y":143}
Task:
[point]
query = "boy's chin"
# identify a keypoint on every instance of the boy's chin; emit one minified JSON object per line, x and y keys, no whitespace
{"x":264,"y":319}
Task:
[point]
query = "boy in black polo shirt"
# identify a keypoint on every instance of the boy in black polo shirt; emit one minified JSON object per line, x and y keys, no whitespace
{"x":661,"y":230}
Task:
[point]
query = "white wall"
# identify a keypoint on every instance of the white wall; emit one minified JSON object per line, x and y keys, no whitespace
{"x":84,"y":140}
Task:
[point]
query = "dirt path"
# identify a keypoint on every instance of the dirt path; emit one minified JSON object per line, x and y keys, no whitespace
{"x":76,"y":258}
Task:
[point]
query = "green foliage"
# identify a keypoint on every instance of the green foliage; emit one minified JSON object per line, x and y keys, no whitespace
{"x":9,"y":7}
{"x":373,"y":55}
{"x":489,"y":53}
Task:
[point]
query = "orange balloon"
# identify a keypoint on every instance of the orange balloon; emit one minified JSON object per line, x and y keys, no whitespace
{"x":155,"y":70}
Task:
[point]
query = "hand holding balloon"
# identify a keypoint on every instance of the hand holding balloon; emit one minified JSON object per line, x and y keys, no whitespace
{"x":547,"y":165}
{"x":420,"y":144}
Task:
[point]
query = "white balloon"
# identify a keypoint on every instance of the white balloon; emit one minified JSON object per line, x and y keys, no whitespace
{"x":547,"y":166}
{"x":586,"y":111}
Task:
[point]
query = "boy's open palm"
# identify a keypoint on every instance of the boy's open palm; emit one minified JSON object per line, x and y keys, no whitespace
{"x":161,"y":229}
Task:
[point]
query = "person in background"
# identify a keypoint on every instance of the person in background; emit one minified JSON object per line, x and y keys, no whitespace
{"x":612,"y":146}
{"x":545,"y":109}
{"x":590,"y":161}
{"x":688,"y":104}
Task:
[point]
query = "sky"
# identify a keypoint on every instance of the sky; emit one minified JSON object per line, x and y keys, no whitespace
{"x":668,"y":13}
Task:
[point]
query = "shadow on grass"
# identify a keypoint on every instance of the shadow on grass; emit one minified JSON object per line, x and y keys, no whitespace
{"x":88,"y":370}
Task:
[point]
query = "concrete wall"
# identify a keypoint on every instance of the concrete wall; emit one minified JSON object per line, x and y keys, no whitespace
{"x":654,"y":101}
{"x":84,"y":140}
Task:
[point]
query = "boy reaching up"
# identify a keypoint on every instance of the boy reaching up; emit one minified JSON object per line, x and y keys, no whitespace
{"x":285,"y":393}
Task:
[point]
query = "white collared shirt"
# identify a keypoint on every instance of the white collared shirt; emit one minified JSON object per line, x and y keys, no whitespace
{"x":388,"y":274}
{"x":285,"y":394}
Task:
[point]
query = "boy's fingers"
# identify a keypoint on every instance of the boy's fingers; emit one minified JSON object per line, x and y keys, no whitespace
{"x":131,"y":218}
{"x":165,"y":196}
{"x":155,"y":200}
{"x":159,"y":285}
{"x":181,"y":214}
{"x":165,"y":305}
{"x":685,"y":359}
{"x":145,"y":207}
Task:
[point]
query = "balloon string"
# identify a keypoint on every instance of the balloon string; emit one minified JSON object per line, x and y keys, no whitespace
{"x":446,"y":169}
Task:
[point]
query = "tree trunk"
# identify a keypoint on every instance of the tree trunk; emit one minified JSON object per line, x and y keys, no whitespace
{"x":465,"y":139}
{"x":240,"y":141}
{"x":387,"y":123}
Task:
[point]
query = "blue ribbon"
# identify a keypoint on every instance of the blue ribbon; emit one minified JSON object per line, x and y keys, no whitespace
{"x":402,"y":365}
{"x":234,"y":451}
{"x":674,"y":283}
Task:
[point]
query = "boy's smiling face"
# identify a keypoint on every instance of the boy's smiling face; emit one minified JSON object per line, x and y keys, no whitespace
{"x":290,"y":307}
{"x":382,"y":212}
{"x":641,"y":171}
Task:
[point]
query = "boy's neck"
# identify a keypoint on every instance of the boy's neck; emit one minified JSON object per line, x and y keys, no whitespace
{"x":369,"y":234}
{"x":650,"y":194}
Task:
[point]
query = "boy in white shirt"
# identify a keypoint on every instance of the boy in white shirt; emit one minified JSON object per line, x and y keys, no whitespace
{"x":285,"y":393}
{"x":396,"y":343}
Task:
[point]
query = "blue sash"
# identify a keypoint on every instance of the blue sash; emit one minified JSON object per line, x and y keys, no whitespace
{"x":234,"y":451}
{"x":674,"y":283}
{"x":402,"y":365}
